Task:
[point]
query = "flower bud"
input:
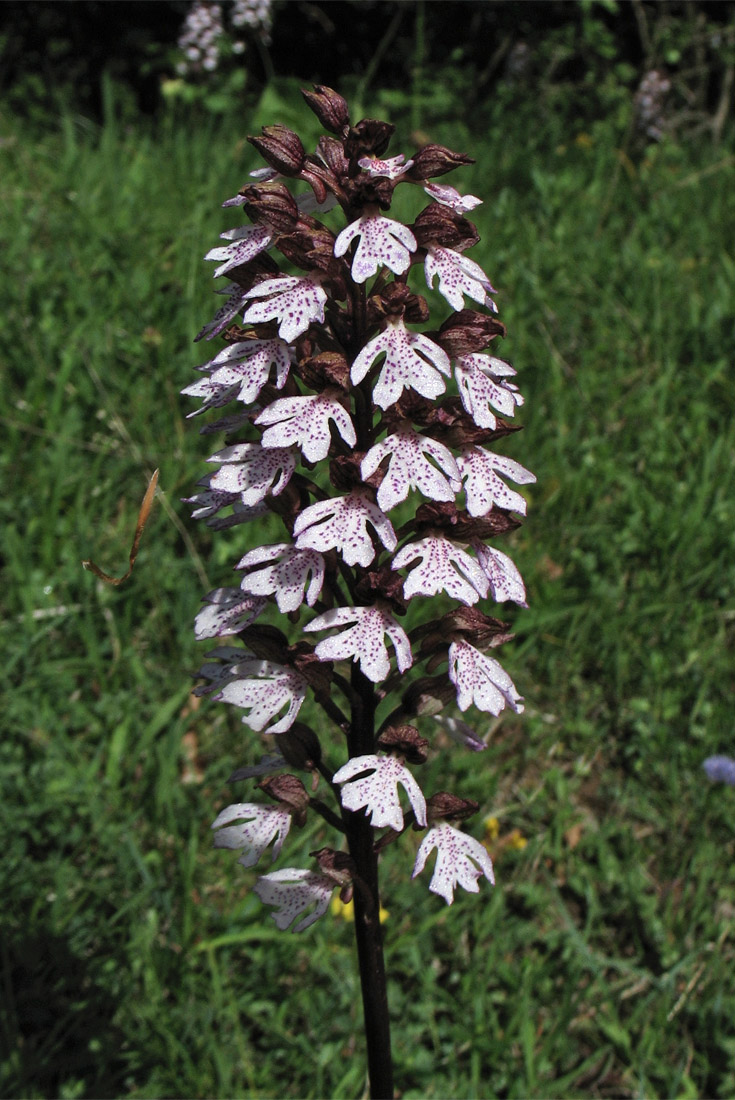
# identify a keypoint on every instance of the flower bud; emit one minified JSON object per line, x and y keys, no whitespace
{"x":328,"y":368}
{"x":371,"y":191}
{"x":449,"y":807}
{"x":345,"y":473}
{"x":435,"y":160}
{"x":369,"y":136}
{"x":267,"y":642}
{"x":339,"y":866}
{"x":439,"y":225}
{"x":332,"y":153}
{"x":290,"y":792}
{"x":299,"y":746}
{"x":462,"y":624}
{"x":383,"y":583}
{"x":397,"y":300}
{"x":429,"y":695}
{"x":281,"y":148}
{"x":446,"y":518}
{"x":467,"y":332}
{"x":309,"y":246}
{"x":329,"y":107}
{"x":406,"y":741}
{"x":272,"y":205}
{"x":317,"y":673}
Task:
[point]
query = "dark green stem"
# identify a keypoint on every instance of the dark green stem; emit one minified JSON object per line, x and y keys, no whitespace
{"x":368,"y":933}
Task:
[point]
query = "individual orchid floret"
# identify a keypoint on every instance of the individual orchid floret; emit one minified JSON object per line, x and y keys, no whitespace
{"x":461,"y":732}
{"x":484,"y":488}
{"x":482,"y":388}
{"x":409,"y":468}
{"x":443,"y":567}
{"x":224,"y":315}
{"x":460,"y":861}
{"x":363,"y":642}
{"x":304,"y":421}
{"x":253,"y":471}
{"x":240,"y":371}
{"x":383,"y":243}
{"x":458,"y":275}
{"x":342,"y":524}
{"x":390,"y":168}
{"x":503,"y":576}
{"x":377,"y":791}
{"x":449,"y":196}
{"x":481,"y":680}
{"x":295,"y":302}
{"x":297,"y":575}
{"x":258,"y":826}
{"x":294,"y":891}
{"x":247,"y":242}
{"x":262,"y":175}
{"x":210,"y":502}
{"x":411,"y":361}
{"x":264,"y":688}
{"x":226,"y":611}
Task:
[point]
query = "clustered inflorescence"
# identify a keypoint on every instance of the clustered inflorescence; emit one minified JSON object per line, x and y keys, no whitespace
{"x":350,"y":411}
{"x":203,"y":32}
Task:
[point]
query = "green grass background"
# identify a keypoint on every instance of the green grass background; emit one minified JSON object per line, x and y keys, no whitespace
{"x":135,"y":960}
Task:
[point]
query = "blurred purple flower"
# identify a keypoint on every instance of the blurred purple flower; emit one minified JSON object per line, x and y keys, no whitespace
{"x":720,"y":769}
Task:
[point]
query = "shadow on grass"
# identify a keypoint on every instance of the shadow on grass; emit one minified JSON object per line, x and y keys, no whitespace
{"x":57,"y":1036}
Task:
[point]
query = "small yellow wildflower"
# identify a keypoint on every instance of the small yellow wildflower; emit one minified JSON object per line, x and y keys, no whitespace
{"x":517,"y":840}
{"x":492,"y":828}
{"x":346,"y":910}
{"x":343,"y":909}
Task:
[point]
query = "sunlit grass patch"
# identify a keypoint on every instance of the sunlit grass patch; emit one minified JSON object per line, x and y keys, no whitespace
{"x":601,"y":961}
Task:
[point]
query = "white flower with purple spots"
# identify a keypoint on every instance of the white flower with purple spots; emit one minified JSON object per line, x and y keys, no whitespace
{"x":239,"y":373}
{"x":391,"y":168}
{"x":411,"y":361}
{"x":247,"y":242}
{"x":383,"y":243}
{"x":448,"y":196}
{"x":481,"y":680}
{"x":296,"y":575}
{"x":460,"y":861}
{"x":503,"y":576}
{"x":293,"y":301}
{"x":409,"y":468}
{"x":304,"y":421}
{"x":484,"y":489}
{"x":264,"y":688}
{"x":257,"y":827}
{"x":226,"y":611}
{"x":443,"y":567}
{"x":377,"y":791}
{"x":342,"y":524}
{"x":365,"y":641}
{"x":252,"y":471}
{"x":295,"y":891}
{"x":458,"y":275}
{"x":483,"y":387}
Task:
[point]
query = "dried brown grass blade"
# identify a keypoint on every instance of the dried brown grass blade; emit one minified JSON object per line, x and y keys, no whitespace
{"x":145,"y":511}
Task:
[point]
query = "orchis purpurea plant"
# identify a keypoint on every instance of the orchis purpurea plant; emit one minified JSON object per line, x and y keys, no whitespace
{"x":372,"y":437}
